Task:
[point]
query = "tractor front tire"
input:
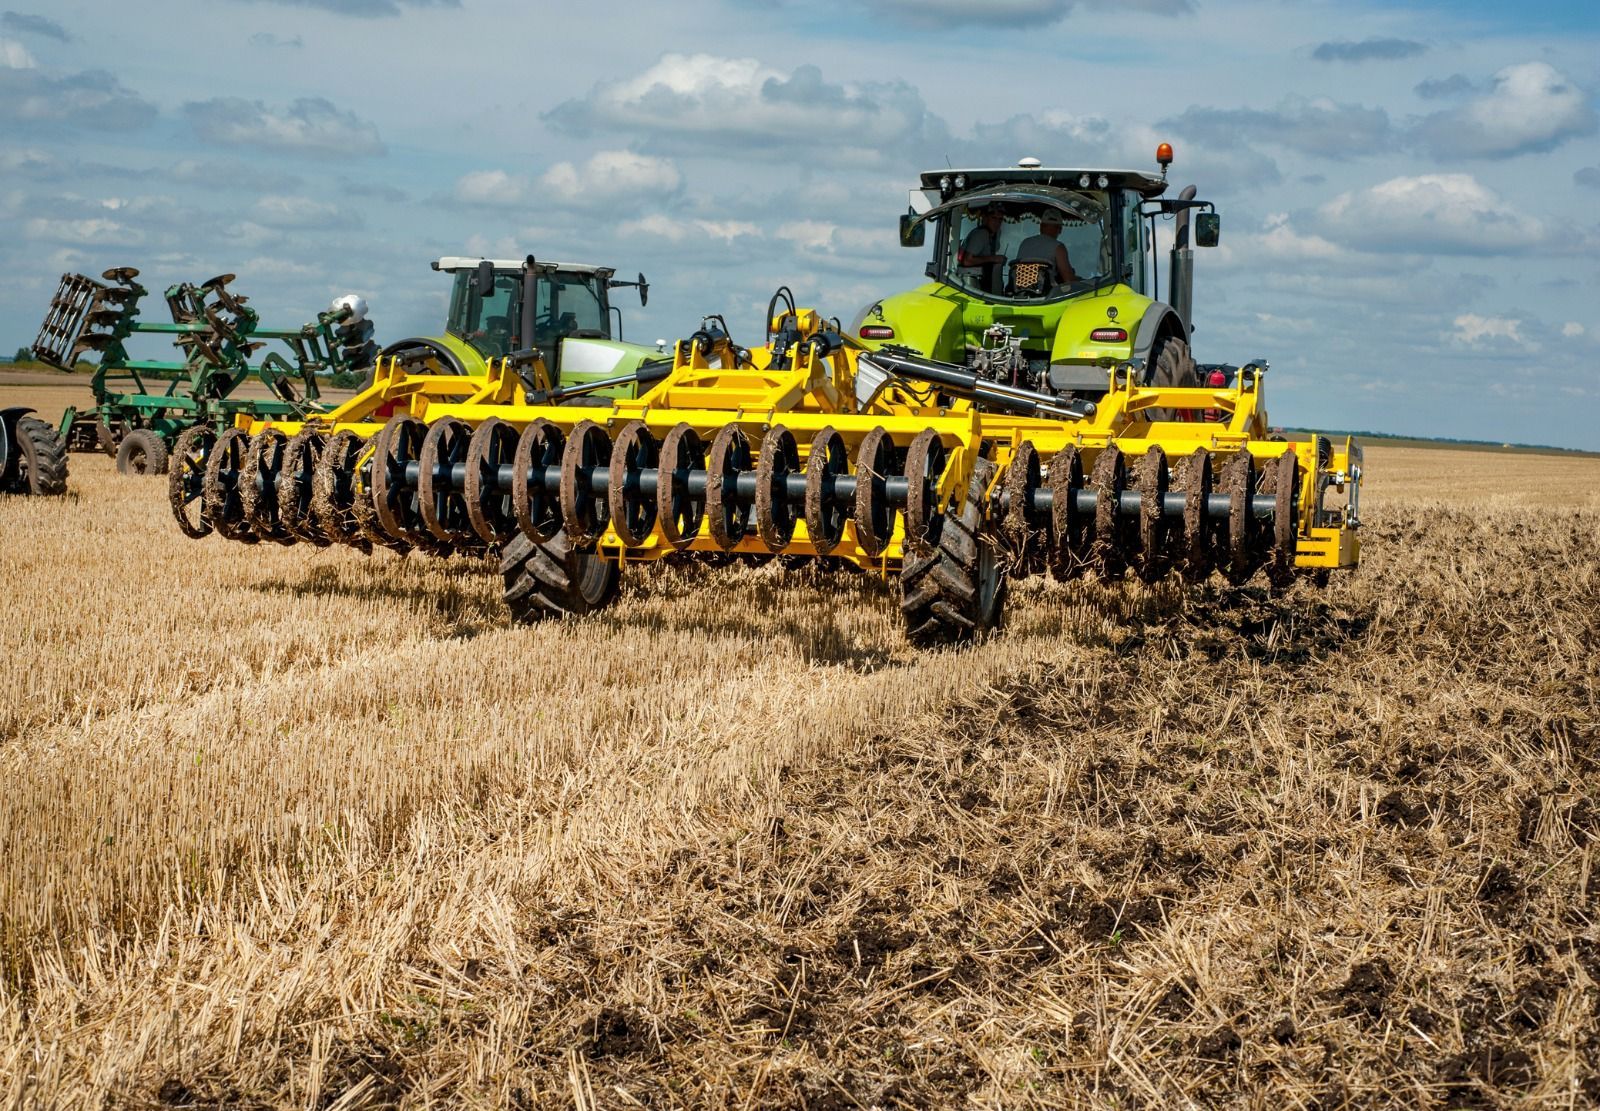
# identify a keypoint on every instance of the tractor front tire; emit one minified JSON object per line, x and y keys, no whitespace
{"x":554,"y":580}
{"x":41,"y":467}
{"x":956,"y":590}
{"x":142,"y":452}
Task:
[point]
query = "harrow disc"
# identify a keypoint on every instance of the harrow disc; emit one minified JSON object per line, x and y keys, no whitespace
{"x":679,"y":511}
{"x":729,"y":517}
{"x":633,"y":515}
{"x":1111,"y":540}
{"x":258,"y":485}
{"x":956,"y":591}
{"x":489,"y":508}
{"x":186,"y":480}
{"x":1071,"y":531}
{"x":1022,"y":478}
{"x":775,"y":516}
{"x":296,"y":485}
{"x":442,"y":505}
{"x":825,"y":517}
{"x":1199,"y":529}
{"x":1282,"y":480}
{"x":334,"y":491}
{"x":583,"y":515}
{"x":539,"y":449}
{"x":395,"y":503}
{"x":874,"y":515}
{"x":1151,"y":479}
{"x":925,"y":462}
{"x":1244,"y":540}
{"x":220,"y":497}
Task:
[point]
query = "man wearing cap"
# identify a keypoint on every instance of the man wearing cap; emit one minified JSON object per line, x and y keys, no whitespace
{"x":980,"y":250}
{"x":1047,"y":247}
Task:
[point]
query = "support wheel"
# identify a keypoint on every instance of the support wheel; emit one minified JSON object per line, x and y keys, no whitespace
{"x":552,"y":579}
{"x":142,"y":452}
{"x":956,"y":591}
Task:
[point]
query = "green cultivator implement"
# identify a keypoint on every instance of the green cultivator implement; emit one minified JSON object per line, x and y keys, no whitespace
{"x":142,"y":405}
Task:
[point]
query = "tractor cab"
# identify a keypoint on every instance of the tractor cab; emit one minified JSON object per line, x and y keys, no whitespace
{"x":561,"y":309}
{"x":1056,"y":264}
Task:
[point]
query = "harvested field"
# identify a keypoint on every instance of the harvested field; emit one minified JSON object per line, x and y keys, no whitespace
{"x":290,"y":828}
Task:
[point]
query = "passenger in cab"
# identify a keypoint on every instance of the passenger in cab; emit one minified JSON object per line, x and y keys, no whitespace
{"x":980,"y":251}
{"x":1047,"y":247}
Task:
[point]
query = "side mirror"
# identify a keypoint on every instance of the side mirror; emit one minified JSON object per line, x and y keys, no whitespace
{"x":1207,"y":229}
{"x":913,"y":233}
{"x":484,"y":283}
{"x":644,"y":292}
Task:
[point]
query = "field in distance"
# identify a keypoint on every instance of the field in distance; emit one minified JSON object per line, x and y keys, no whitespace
{"x":297,"y":827}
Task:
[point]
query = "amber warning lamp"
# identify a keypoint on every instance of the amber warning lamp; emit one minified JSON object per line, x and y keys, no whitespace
{"x":1164,"y":156}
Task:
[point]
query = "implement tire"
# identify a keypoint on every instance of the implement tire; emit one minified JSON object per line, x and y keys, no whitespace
{"x":553,"y":580}
{"x":142,"y":452}
{"x":41,"y":464}
{"x":957,"y":591}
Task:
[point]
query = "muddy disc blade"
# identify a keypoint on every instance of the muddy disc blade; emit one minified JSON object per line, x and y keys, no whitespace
{"x":825,"y":513}
{"x":679,"y":511}
{"x":221,"y":491}
{"x":393,"y":498}
{"x":1109,"y":479}
{"x":1282,"y":481}
{"x":334,"y":491}
{"x":583,"y":515}
{"x":1022,"y":478}
{"x":633,"y":515}
{"x":258,"y":485}
{"x":186,"y":478}
{"x":874,"y":516}
{"x":489,"y":506}
{"x":1071,"y":531}
{"x":1151,"y":478}
{"x":925,"y":462}
{"x":296,"y":479}
{"x":775,"y":516}
{"x":1239,"y":483}
{"x":539,"y":451}
{"x":727,"y":516}
{"x":443,"y":505}
{"x":1199,"y":531}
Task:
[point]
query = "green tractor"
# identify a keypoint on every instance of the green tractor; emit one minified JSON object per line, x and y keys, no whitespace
{"x":1047,"y":279}
{"x":564,"y":307}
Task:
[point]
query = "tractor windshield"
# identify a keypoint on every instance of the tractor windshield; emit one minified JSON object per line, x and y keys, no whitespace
{"x":571,"y":305}
{"x":1008,"y":250}
{"x":487,"y":323}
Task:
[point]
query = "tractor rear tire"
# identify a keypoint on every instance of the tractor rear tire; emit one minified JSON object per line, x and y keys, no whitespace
{"x":553,"y":580}
{"x":41,"y":466}
{"x":142,"y":452}
{"x":1173,"y":366}
{"x":956,"y":590}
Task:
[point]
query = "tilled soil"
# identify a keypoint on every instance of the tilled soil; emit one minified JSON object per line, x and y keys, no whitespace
{"x":1194,"y":846}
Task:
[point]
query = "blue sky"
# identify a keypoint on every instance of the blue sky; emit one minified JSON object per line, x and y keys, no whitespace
{"x":1410,"y":192}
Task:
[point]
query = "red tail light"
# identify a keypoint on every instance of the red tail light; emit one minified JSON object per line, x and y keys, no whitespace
{"x":877,"y":331}
{"x":1109,"y":335}
{"x":1217,"y":378}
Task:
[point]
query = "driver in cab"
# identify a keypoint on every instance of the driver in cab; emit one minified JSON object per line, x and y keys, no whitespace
{"x":1047,"y":247}
{"x":980,"y":250}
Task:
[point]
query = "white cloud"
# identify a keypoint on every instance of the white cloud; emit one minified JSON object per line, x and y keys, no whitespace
{"x":1443,"y":213}
{"x":491,"y":187}
{"x":13,"y":55}
{"x":1572,"y":329}
{"x":1472,"y":330}
{"x":657,"y":226}
{"x":1529,"y":107}
{"x":89,"y":231}
{"x":610,"y":175}
{"x":296,"y":212}
{"x":746,"y":103}
{"x":310,"y":125}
